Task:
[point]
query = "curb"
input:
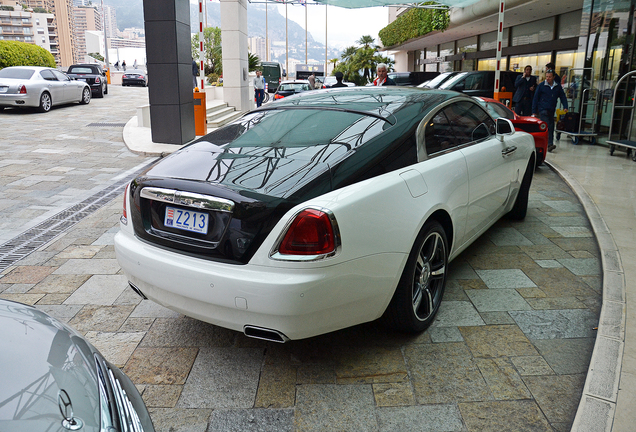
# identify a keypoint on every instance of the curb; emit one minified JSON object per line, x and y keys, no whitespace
{"x":598,"y":402}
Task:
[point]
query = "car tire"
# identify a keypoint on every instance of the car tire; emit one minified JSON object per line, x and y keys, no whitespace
{"x":86,"y":96}
{"x":419,"y":293}
{"x":106,"y":89}
{"x":520,"y":208}
{"x":45,"y":102}
{"x":100,"y":92}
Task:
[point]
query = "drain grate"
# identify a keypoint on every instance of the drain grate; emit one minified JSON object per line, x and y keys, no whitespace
{"x":43,"y":233}
{"x":104,"y":124}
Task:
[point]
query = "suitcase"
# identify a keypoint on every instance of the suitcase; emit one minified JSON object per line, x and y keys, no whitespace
{"x":570,"y":122}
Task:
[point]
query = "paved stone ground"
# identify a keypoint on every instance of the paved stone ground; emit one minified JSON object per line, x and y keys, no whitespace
{"x":509,"y":350}
{"x":50,"y":161}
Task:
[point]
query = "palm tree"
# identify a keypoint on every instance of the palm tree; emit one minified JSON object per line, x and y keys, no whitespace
{"x":334,"y":62}
{"x":253,"y":62}
{"x":348,"y":53}
{"x":367,"y":42}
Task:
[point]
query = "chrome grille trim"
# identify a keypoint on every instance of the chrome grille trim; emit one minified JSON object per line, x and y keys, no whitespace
{"x":188,"y":199}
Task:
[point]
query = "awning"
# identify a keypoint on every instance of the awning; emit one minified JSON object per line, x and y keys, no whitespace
{"x":353,"y":4}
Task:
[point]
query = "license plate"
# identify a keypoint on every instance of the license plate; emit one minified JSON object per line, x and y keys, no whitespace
{"x":3,"y":89}
{"x":82,"y":79}
{"x":187,"y":220}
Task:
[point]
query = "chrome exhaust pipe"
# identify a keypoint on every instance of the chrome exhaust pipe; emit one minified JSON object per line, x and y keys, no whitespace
{"x":264,"y":334}
{"x":137,"y":290}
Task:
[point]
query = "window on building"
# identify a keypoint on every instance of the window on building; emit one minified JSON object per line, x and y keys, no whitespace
{"x":43,"y":40}
{"x":488,"y":41}
{"x":537,"y":61}
{"x":570,"y":25}
{"x":533,"y":32}
{"x":40,"y":30}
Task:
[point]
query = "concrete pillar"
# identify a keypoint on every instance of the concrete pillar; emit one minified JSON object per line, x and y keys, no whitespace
{"x":169,"y":57}
{"x":235,"y":64}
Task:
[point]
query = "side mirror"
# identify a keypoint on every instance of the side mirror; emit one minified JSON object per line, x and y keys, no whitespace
{"x":504,"y":127}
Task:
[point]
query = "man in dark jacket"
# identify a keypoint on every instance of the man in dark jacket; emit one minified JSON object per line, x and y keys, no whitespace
{"x":544,"y":103}
{"x":524,"y":85}
{"x":195,"y":73}
{"x":339,"y":83}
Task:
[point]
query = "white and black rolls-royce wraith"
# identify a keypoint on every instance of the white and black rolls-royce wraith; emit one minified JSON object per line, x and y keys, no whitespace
{"x":323,"y":210}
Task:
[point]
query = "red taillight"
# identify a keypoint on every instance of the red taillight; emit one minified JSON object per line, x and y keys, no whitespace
{"x":22,"y":89}
{"x":97,"y":81}
{"x":277,"y":96}
{"x":311,"y":233}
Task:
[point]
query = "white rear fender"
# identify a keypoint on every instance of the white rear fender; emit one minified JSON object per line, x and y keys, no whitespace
{"x":398,"y":202}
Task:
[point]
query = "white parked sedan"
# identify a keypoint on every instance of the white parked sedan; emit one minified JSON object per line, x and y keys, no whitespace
{"x":324,"y":210}
{"x":41,"y":87}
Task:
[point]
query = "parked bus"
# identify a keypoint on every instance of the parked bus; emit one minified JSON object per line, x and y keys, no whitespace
{"x":273,"y":74}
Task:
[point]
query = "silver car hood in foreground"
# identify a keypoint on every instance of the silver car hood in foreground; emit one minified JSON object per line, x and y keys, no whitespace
{"x":39,"y":357}
{"x":52,"y":379}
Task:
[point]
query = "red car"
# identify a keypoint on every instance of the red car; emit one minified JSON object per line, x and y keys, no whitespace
{"x":535,"y":127}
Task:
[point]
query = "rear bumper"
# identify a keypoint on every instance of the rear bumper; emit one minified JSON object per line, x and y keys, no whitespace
{"x":297,"y":302}
{"x":18,"y":100}
{"x":133,"y":81}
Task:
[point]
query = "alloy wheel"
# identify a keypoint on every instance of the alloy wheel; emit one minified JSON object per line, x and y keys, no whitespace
{"x":430,"y":272}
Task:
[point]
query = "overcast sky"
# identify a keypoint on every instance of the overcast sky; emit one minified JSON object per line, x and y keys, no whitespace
{"x":345,"y":26}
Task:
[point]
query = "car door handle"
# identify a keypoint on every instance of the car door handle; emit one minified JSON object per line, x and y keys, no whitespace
{"x":508,"y":151}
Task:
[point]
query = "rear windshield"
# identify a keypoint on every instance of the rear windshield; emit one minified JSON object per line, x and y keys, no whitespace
{"x":81,"y":70}
{"x":272,"y":71}
{"x":16,"y":73}
{"x":294,"y":87}
{"x":308,"y":130}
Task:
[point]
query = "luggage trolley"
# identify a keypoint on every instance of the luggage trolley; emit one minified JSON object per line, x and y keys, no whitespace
{"x":625,"y":129}
{"x":579,"y":88}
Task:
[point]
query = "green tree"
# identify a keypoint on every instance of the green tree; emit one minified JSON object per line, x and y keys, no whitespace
{"x":359,"y":63}
{"x":14,"y":53}
{"x":212,"y":50}
{"x":253,"y":62}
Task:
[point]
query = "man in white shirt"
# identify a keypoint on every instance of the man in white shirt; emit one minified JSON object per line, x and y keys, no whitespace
{"x":383,"y":79}
{"x":259,"y":88}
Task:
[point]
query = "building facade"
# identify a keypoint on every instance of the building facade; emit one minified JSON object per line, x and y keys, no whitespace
{"x":65,"y":52}
{"x":588,"y":40}
{"x":86,"y":18}
{"x":26,"y":26}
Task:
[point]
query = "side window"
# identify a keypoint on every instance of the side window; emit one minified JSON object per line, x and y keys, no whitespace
{"x":474,"y":81}
{"x":60,"y":76}
{"x":48,"y":75}
{"x":469,"y":122}
{"x":438,"y":135}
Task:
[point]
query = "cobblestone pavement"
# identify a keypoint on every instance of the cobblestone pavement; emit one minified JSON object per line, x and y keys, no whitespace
{"x":509,"y":350}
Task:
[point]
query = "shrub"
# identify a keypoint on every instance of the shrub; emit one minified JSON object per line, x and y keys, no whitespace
{"x":14,"y":53}
{"x":414,"y":23}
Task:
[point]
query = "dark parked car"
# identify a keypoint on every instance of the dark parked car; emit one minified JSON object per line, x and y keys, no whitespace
{"x":411,"y":78}
{"x":134,"y":77}
{"x":54,"y":380}
{"x":481,"y":83}
{"x":93,"y":75}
